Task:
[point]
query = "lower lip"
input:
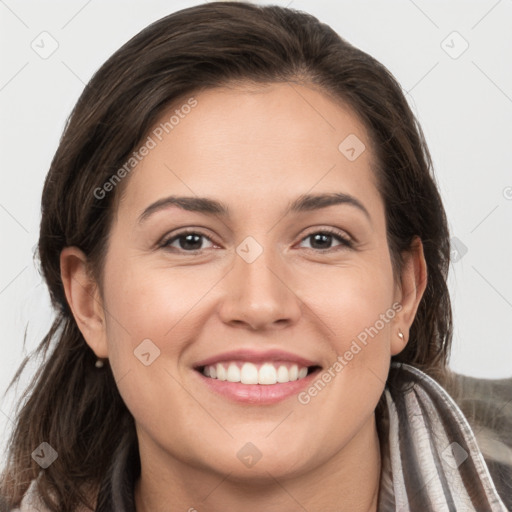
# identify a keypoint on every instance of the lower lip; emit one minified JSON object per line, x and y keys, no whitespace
{"x":260,"y":394}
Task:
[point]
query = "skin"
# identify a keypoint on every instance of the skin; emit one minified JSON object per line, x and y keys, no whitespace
{"x":255,"y":148}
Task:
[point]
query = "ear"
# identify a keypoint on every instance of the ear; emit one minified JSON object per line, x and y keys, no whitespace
{"x":413,"y":281}
{"x":84,"y":299}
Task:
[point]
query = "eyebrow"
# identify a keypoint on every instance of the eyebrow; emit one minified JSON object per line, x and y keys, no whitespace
{"x":305,"y":202}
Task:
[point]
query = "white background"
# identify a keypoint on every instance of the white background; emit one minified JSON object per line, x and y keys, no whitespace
{"x":464,"y":105}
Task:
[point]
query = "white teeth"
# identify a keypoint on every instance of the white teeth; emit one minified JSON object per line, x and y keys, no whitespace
{"x":283,"y":374}
{"x":221,"y":372}
{"x":267,"y":374}
{"x":233,"y":374}
{"x":249,"y":373}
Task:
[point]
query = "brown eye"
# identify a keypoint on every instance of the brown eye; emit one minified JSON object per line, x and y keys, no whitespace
{"x":323,"y":240}
{"x":190,"y":241}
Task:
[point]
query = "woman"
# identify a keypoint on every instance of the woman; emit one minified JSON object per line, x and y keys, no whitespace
{"x":248,"y":254}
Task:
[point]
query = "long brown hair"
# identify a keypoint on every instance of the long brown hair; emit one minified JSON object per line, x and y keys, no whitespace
{"x":72,"y":405}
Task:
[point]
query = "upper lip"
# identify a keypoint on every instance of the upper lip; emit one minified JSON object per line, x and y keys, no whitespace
{"x":255,"y":356}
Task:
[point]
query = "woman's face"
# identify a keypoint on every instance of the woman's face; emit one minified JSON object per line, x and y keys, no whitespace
{"x":275,"y":283}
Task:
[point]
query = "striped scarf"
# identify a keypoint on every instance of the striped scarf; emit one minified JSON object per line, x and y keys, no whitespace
{"x":430,"y":459}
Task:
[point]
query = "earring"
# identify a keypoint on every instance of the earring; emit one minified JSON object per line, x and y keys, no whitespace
{"x":400,"y":334}
{"x":99,"y":363}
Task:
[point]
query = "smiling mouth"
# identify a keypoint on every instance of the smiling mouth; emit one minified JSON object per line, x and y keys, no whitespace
{"x":266,"y":373}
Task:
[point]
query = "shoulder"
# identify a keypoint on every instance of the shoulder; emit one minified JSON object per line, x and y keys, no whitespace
{"x":31,"y":501}
{"x":487,"y":405}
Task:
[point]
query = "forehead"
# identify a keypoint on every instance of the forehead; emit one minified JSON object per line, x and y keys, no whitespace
{"x":251,"y":142}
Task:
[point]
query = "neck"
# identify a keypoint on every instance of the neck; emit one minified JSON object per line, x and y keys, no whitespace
{"x":347,"y":482}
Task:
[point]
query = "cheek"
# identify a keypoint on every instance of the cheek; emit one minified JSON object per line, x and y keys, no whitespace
{"x":153,"y":311}
{"x":350,"y":298}
{"x":356,"y":304}
{"x":148,"y":325}
{"x":151,"y":302}
{"x":365,"y":312}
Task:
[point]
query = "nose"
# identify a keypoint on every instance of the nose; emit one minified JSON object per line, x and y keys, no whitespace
{"x":259,"y":295}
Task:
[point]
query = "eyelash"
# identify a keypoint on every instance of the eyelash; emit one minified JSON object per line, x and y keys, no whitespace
{"x":345,"y":242}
